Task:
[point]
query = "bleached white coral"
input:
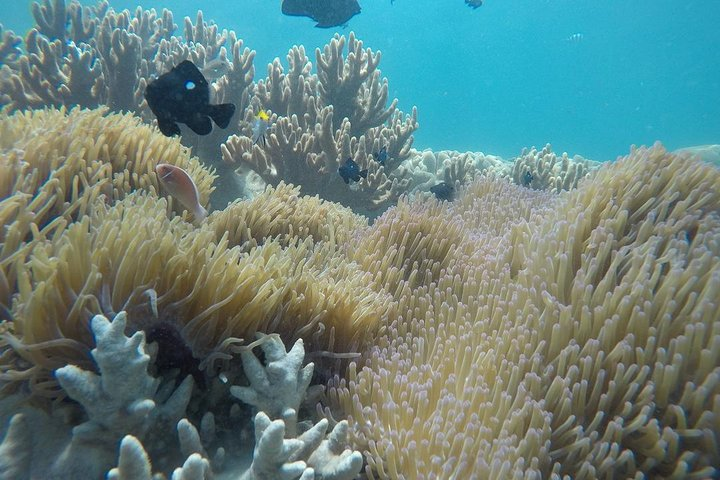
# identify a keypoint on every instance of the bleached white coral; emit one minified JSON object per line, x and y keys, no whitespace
{"x":121,"y":398}
{"x":278,"y":387}
{"x":310,"y":455}
{"x":281,"y":383}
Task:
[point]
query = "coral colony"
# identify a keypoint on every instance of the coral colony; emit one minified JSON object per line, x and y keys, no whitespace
{"x":545,"y":317}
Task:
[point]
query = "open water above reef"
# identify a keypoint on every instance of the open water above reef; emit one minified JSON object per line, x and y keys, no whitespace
{"x":589,"y":77}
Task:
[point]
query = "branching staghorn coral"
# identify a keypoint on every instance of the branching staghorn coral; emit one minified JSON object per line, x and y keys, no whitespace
{"x":9,"y":47}
{"x":81,"y":56}
{"x":320,"y":120}
{"x":584,"y":342}
{"x":544,"y":170}
{"x":125,"y":401}
{"x":122,"y":399}
{"x":95,"y":56}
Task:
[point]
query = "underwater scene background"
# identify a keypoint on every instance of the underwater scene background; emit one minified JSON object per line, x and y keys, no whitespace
{"x":512,"y":75}
{"x":237,"y":246}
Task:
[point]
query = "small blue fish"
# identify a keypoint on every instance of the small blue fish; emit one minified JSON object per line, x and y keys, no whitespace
{"x":443,"y":191}
{"x":575,"y":38}
{"x":381,"y":156}
{"x":473,"y":3}
{"x":351,"y":171}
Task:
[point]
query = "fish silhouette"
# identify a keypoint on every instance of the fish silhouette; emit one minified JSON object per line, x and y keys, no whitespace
{"x":350,"y":170}
{"x":182,"y":95}
{"x":327,"y":13}
{"x":443,"y":191}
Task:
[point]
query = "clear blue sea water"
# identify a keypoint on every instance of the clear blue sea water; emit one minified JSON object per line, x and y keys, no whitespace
{"x":504,"y":76}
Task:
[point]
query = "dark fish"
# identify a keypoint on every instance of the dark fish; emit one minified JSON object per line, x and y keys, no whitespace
{"x":182,"y":95}
{"x":527,"y":179}
{"x":381,"y":156}
{"x":473,"y":3}
{"x":174,"y":353}
{"x":443,"y":191}
{"x":351,"y":171}
{"x":327,"y":13}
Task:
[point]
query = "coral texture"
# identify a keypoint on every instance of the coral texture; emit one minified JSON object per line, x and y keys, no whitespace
{"x":125,"y":401}
{"x":94,"y":249}
{"x":320,"y":120}
{"x":54,"y":165}
{"x":122,"y":399}
{"x":582,"y":340}
{"x":544,"y":170}
{"x":283,"y":214}
{"x":83,"y":56}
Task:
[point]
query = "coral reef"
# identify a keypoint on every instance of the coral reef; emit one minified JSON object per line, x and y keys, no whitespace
{"x":54,"y":165}
{"x":536,"y":333}
{"x":83,"y":56}
{"x":544,"y":170}
{"x":90,"y":56}
{"x":125,"y":401}
{"x":76,"y":244}
{"x":557,"y":319}
{"x":131,"y":257}
{"x":320,"y":120}
{"x":582,"y":341}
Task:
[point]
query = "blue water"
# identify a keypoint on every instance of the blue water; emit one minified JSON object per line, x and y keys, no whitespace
{"x":504,"y":76}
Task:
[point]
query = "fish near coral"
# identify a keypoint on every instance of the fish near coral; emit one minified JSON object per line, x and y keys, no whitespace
{"x":327,"y":13}
{"x":182,"y":95}
{"x":527,"y":179}
{"x":381,"y":156}
{"x":351,"y":171}
{"x":260,"y":127}
{"x":443,"y":191}
{"x":180,"y":185}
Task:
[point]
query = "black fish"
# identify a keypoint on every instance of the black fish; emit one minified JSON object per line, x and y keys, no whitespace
{"x":443,"y":191}
{"x":473,"y":3}
{"x":527,"y":179}
{"x":327,"y":13}
{"x":381,"y":156}
{"x":182,"y":95}
{"x":351,"y":171}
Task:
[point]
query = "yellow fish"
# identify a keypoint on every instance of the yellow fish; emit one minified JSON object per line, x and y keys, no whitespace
{"x":260,"y":126}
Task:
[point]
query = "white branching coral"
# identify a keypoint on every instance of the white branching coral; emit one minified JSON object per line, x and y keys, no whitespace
{"x":120,"y":398}
{"x":125,"y":405}
{"x":278,"y":385}
{"x":123,"y":398}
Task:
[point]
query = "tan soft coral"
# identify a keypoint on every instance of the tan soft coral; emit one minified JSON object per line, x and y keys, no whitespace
{"x":64,"y":160}
{"x":131,"y":257}
{"x":54,"y":164}
{"x":595,"y":353}
{"x":627,"y":273}
{"x":282,"y":213}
